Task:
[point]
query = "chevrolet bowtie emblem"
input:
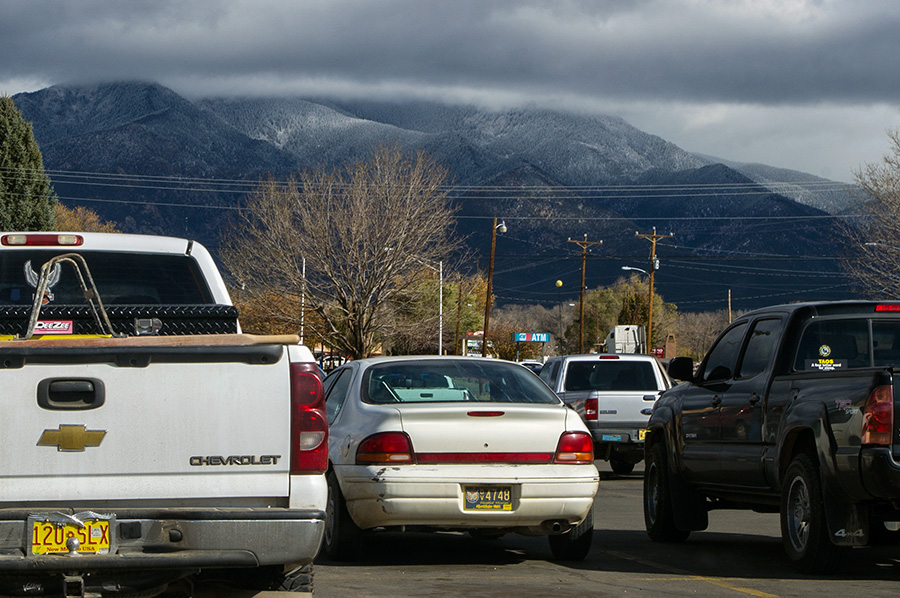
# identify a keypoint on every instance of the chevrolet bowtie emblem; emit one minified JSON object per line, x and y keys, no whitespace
{"x":71,"y":438}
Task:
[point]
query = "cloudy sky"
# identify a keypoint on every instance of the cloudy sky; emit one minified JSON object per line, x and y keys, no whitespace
{"x":811,"y":85}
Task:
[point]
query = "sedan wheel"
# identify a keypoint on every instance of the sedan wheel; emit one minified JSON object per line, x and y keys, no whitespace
{"x":342,"y":536}
{"x":576,"y":543}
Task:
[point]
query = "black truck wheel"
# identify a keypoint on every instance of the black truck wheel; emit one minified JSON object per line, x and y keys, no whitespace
{"x":804,"y":531}
{"x":220,"y":582}
{"x":576,"y":543}
{"x":620,"y":464}
{"x":342,"y":536}
{"x":298,"y":580}
{"x":659,"y":518}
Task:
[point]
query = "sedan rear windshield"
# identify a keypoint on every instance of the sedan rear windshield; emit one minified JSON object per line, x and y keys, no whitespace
{"x":453,"y":380}
{"x":121,"y":278}
{"x":610,"y":374}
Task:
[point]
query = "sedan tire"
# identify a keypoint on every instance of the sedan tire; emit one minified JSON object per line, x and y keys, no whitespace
{"x":342,"y":535}
{"x":576,"y":543}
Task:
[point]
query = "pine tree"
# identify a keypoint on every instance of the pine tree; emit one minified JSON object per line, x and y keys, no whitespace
{"x":27,"y":201}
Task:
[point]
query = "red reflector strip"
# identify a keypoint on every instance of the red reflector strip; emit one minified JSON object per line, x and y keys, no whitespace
{"x":376,"y":458}
{"x":485,"y":413}
{"x":484,"y":457}
{"x":885,"y":307}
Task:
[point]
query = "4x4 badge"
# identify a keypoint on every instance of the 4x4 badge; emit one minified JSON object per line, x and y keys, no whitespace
{"x":71,"y":438}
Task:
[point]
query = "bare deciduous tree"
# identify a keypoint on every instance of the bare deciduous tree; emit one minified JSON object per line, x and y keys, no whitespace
{"x":873,"y":243}
{"x":363,"y":233}
{"x":696,"y":332}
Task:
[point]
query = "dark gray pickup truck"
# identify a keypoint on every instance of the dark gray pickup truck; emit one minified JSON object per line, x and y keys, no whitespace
{"x":791,"y":411}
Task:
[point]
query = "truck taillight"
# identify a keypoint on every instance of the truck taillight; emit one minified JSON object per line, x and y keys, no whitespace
{"x":41,"y":240}
{"x":385,"y":448}
{"x":575,"y":447}
{"x":878,"y":418}
{"x":309,"y":424}
{"x":590,"y":409}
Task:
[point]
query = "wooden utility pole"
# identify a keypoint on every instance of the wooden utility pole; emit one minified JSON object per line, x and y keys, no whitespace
{"x":729,"y":306}
{"x":584,"y":244}
{"x":654,"y":264}
{"x":490,"y":285}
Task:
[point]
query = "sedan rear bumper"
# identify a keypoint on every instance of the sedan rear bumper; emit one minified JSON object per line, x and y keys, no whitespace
{"x":435,"y":496}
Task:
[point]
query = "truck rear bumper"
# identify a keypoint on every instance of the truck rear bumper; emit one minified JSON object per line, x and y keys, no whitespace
{"x":880,"y":473}
{"x":176,"y":539}
{"x":627,"y":438}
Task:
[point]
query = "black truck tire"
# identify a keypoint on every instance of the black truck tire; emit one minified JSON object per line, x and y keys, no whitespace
{"x":220,"y":582}
{"x":342,"y":536}
{"x":804,"y":531}
{"x":659,"y":517}
{"x":620,"y":464}
{"x":298,"y":580}
{"x":576,"y":543}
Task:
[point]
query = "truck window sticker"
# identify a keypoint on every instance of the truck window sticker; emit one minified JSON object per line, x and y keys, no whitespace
{"x":835,"y":344}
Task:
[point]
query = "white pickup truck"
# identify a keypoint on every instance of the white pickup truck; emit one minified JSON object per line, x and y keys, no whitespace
{"x":145,"y":440}
{"x":614,"y":395}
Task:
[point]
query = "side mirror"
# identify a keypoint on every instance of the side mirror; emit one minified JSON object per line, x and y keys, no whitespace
{"x":681,"y":368}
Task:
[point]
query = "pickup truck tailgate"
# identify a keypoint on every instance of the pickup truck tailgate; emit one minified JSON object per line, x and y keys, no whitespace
{"x":76,"y":419}
{"x":623,"y":408}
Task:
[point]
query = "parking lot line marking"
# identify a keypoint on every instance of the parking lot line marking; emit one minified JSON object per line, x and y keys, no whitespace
{"x":710,"y":580}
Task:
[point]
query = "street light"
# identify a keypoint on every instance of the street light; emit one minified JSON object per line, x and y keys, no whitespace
{"x":650,"y":315}
{"x":559,"y":285}
{"x":635,"y":269}
{"x":440,"y":271}
{"x":490,"y":284}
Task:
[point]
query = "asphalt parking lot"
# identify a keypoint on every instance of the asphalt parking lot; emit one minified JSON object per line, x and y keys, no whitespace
{"x":740,"y":554}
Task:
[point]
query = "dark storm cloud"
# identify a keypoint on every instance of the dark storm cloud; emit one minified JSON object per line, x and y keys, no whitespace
{"x":728,"y":51}
{"x":753,"y":80}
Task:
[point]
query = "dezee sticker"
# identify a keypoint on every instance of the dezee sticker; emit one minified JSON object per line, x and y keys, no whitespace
{"x":53,"y":327}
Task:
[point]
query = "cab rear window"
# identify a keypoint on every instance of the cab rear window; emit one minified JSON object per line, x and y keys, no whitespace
{"x":121,"y":278}
{"x":610,"y":375}
{"x":831,"y":345}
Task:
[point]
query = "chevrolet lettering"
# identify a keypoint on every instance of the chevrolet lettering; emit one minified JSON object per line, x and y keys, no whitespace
{"x":236,"y":460}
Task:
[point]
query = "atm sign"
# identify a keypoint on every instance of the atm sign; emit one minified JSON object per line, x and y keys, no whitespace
{"x":531,"y":337}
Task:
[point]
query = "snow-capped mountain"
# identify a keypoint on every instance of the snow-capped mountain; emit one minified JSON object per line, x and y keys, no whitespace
{"x":551,"y":174}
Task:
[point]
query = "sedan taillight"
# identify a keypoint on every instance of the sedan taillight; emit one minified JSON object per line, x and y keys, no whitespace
{"x":385,"y":448}
{"x":878,"y":421}
{"x":575,"y":447}
{"x":309,"y":425}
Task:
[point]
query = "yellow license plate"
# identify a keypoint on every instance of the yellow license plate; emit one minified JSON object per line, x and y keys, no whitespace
{"x":642,"y":434}
{"x":50,"y":537}
{"x":488,"y":498}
